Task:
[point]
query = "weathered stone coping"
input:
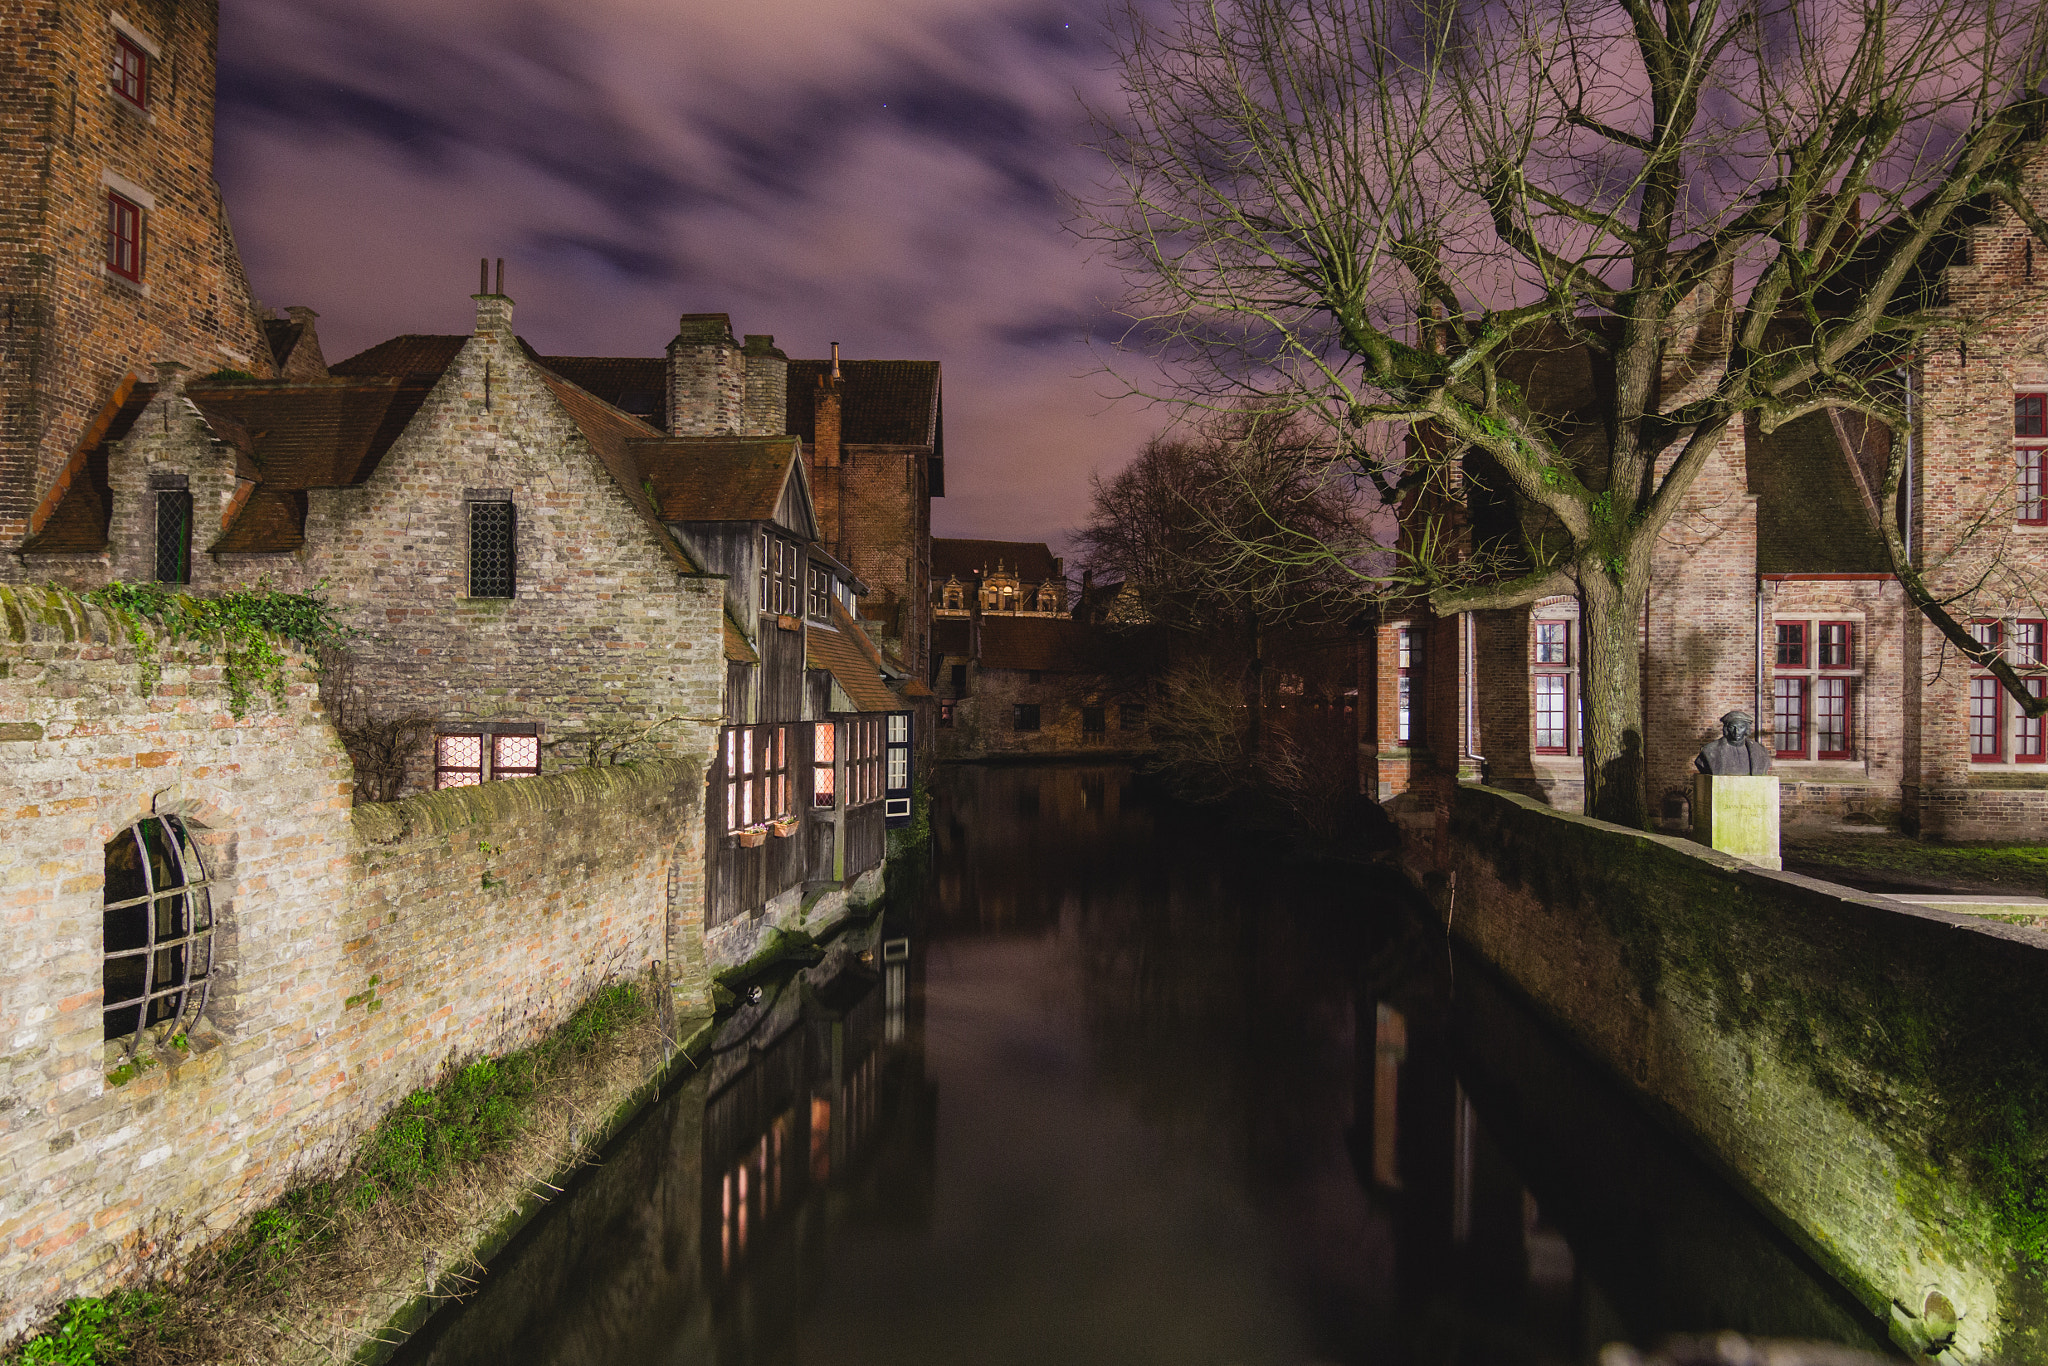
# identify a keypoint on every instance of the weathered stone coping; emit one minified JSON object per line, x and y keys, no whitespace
{"x":428,"y":814}
{"x":1858,"y":1066}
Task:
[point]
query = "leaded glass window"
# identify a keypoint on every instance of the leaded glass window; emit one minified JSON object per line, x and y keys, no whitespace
{"x":158,"y":929}
{"x":491,"y":550}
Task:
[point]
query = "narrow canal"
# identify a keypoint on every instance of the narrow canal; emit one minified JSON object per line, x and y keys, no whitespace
{"x":1116,"y":1087}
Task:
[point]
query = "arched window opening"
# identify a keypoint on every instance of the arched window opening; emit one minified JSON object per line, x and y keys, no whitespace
{"x":158,"y":929}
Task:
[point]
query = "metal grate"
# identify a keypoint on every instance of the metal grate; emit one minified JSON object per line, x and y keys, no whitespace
{"x":158,"y":929}
{"x":458,"y":760}
{"x":173,"y":536}
{"x":490,"y":550}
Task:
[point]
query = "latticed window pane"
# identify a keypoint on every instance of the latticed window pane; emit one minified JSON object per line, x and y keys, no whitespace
{"x":515,"y":756}
{"x":2032,"y":478}
{"x":1788,"y":714}
{"x":458,"y":760}
{"x":1553,"y":642}
{"x":1791,"y":644}
{"x":1987,"y":715}
{"x":2026,"y":642}
{"x":490,"y":550}
{"x":2027,"y":743}
{"x":2027,"y":414}
{"x":1831,"y":717}
{"x":173,"y":536}
{"x":1836,"y":650}
{"x":158,"y":928}
{"x":1553,"y":693}
{"x":899,"y":768}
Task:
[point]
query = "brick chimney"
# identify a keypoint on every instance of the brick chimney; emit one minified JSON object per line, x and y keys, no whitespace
{"x":767,"y":411}
{"x":305,"y":360}
{"x":707,"y":382}
{"x":494,"y":316}
{"x":827,"y":483}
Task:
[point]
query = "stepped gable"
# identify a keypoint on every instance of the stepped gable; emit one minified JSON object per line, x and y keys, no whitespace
{"x":1031,"y":561}
{"x":85,"y":503}
{"x":885,"y":403}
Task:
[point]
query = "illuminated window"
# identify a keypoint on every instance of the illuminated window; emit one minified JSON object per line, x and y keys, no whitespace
{"x":458,"y":760}
{"x":124,"y":237}
{"x":1553,"y":642}
{"x":1406,"y":727}
{"x":824,"y":786}
{"x":1814,"y":689}
{"x":1788,"y":717}
{"x":1831,"y":718}
{"x":1553,"y":685}
{"x":2027,"y":737}
{"x":1553,"y":714}
{"x":459,"y":756}
{"x":157,"y":929}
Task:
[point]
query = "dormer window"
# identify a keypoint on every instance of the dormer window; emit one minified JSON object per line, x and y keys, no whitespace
{"x":1048,"y":601}
{"x":780,"y":594}
{"x":129,"y":71}
{"x":955,"y":597}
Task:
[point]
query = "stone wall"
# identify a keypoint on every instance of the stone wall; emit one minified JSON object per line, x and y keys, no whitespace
{"x":73,"y":329}
{"x":1861,"y":1068}
{"x":983,"y":720}
{"x":357,"y":952}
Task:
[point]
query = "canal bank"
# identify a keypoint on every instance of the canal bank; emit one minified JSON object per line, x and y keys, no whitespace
{"x":1868,"y":1072}
{"x":1114,"y":1085}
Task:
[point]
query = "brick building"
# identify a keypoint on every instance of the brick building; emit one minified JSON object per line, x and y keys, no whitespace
{"x":1772,"y":592}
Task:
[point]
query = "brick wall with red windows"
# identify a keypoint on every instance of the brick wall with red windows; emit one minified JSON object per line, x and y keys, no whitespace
{"x":1835,"y":652}
{"x":69,"y":139}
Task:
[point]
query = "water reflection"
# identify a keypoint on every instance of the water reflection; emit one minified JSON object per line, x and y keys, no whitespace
{"x":1116,"y":1088}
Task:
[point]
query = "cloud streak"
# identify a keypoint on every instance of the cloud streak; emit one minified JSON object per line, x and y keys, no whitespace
{"x":883,"y":175}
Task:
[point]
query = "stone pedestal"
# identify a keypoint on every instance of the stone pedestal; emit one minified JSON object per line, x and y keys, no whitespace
{"x":1737,"y":815}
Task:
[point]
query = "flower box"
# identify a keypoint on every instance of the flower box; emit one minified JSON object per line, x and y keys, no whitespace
{"x":783,"y":827}
{"x":753,"y":837}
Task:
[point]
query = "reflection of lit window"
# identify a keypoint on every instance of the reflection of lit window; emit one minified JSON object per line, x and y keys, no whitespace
{"x":821,"y":1137}
{"x":1390,"y":1050}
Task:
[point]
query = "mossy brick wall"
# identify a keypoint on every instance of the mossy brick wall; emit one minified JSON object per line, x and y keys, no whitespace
{"x":483,"y":916}
{"x":1859,"y":1067}
{"x":74,"y":330}
{"x":606,"y":634}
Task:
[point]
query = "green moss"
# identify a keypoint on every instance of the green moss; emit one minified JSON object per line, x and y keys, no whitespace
{"x":1985,"y":865}
{"x":777,"y":946}
{"x":86,"y":1332}
{"x":249,"y":624}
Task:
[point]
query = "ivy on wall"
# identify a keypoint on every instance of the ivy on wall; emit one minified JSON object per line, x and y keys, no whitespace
{"x":249,"y":623}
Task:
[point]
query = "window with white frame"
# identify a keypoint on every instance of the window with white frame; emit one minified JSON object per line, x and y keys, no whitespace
{"x":1816,"y":676}
{"x":1552,"y":683}
{"x":1407,"y":721}
{"x":781,"y":561}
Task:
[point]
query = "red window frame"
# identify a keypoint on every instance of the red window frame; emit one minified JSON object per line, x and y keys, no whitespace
{"x":128,"y":72}
{"x":2030,"y":737}
{"x":1552,"y":643}
{"x":1987,"y":697}
{"x":1823,"y":647}
{"x":1833,"y":698}
{"x":124,"y":237}
{"x":1792,"y":688}
{"x":2029,"y":642}
{"x":2030,"y":414}
{"x":2031,"y":478}
{"x":1790,"y":634}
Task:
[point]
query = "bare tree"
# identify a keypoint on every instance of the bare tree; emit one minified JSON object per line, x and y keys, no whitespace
{"x":1367,"y":210}
{"x":1246,"y":523}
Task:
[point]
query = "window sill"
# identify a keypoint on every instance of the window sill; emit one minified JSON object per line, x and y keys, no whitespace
{"x":138,"y":287}
{"x":130,"y":109}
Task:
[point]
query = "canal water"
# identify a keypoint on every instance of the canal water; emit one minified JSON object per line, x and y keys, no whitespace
{"x":1111,"y":1083}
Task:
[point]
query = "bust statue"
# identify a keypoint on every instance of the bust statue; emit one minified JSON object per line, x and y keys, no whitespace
{"x":1734,"y":753}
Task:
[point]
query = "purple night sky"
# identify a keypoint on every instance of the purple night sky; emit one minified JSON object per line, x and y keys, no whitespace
{"x":881,"y":174}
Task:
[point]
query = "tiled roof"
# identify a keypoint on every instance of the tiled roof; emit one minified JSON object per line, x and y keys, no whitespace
{"x":950,"y":636}
{"x":78,"y":524}
{"x":737,"y":650}
{"x":717,"y":478}
{"x":886,"y":402}
{"x":632,"y":384}
{"x":1810,"y":515}
{"x":1031,"y":561}
{"x":272,"y":521}
{"x":319,"y":434}
{"x":412,"y":354}
{"x":852,"y":660}
{"x":1058,"y":644}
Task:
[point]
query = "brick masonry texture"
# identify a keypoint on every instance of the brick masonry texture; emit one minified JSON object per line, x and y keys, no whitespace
{"x":606,"y":635}
{"x":73,"y":330}
{"x":357,"y":951}
{"x":982,"y":722}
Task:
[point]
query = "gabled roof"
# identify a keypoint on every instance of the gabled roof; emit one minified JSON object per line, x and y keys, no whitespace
{"x":852,"y":659}
{"x":283,"y":334}
{"x":1031,"y":561}
{"x":412,"y":355}
{"x":315,"y":434}
{"x":77,"y":525}
{"x":727,"y":479}
{"x":616,"y":438}
{"x":885,"y":402}
{"x":632,"y":384}
{"x":1810,"y":515}
{"x":737,"y":648}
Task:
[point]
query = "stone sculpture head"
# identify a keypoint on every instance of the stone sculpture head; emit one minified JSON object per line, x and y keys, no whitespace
{"x":1736,"y":726}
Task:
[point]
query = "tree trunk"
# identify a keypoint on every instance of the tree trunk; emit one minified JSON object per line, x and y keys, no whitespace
{"x":1611,"y":676}
{"x":1255,"y":726}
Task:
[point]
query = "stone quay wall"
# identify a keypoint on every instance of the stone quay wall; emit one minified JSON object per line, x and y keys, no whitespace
{"x":1869,"y":1073}
{"x":357,"y":950}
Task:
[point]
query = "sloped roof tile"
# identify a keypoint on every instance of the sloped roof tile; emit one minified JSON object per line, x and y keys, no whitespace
{"x":414,"y":354}
{"x":718,"y":478}
{"x":1031,"y":561}
{"x":78,"y":524}
{"x":852,"y":660}
{"x":886,"y":402}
